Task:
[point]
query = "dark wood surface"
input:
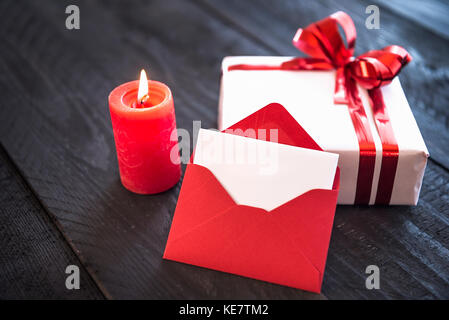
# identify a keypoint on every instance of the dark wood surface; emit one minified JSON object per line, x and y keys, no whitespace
{"x":34,"y":254}
{"x":55,"y":128}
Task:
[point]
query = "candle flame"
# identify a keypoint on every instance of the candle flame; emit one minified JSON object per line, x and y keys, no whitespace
{"x":143,"y":87}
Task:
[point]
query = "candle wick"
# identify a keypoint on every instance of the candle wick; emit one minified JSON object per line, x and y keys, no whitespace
{"x":144,"y":99}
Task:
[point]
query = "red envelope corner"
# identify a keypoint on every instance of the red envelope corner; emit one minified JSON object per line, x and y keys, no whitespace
{"x":287,"y":245}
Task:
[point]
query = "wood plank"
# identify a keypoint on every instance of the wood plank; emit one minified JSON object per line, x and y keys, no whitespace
{"x":33,"y":255}
{"x":425,"y":80}
{"x":410,"y":245}
{"x":431,"y":14}
{"x":55,"y":125}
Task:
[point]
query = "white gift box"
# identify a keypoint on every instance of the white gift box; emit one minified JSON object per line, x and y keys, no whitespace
{"x":308,"y":97}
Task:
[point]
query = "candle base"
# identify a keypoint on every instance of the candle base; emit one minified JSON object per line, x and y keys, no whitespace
{"x":131,"y":186}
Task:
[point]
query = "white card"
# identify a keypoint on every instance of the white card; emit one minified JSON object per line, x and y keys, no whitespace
{"x":261,"y":173}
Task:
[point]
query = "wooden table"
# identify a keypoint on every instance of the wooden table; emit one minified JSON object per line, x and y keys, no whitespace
{"x":61,"y":201}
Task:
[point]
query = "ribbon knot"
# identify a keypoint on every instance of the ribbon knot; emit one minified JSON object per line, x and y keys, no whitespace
{"x":322,"y":39}
{"x":323,"y":42}
{"x":377,"y":68}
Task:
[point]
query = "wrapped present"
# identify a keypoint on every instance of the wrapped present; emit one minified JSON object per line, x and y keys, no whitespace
{"x":353,"y":106}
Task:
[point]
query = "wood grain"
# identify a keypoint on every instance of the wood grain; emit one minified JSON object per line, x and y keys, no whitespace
{"x":55,"y":126}
{"x":431,"y":14}
{"x":33,"y":255}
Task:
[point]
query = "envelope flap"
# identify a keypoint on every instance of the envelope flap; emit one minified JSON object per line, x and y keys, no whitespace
{"x":201,"y":198}
{"x":248,"y":242}
{"x":275,"y":116}
{"x":307,"y":221}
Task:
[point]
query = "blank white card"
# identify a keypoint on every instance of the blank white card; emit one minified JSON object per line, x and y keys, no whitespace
{"x":261,"y":173}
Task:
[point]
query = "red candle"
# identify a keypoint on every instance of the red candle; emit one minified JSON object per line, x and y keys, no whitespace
{"x":144,"y":125}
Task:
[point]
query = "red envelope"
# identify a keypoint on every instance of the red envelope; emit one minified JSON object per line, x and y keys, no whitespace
{"x":287,"y":245}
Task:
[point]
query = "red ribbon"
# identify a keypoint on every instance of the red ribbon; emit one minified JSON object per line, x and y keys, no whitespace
{"x":327,"y":50}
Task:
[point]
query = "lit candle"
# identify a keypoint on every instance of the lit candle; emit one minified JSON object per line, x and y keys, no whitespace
{"x":143,"y":121}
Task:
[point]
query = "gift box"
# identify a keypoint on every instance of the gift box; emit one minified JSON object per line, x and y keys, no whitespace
{"x":273,"y":226}
{"x":355,"y":107}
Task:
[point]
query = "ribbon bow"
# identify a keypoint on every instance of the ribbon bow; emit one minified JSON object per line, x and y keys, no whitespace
{"x":322,"y":41}
{"x":327,"y":50}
